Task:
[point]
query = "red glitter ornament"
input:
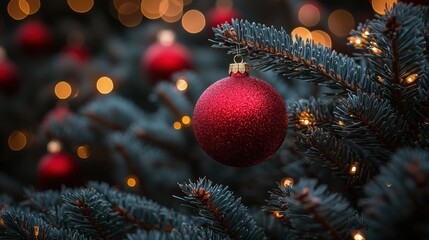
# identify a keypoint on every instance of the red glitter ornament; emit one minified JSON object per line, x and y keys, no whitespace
{"x":221,"y":14}
{"x":34,"y":38}
{"x":161,"y":60}
{"x":9,"y":80}
{"x":240,"y":120}
{"x":55,"y":169}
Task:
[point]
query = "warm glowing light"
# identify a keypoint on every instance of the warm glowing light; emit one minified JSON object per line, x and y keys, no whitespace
{"x":1,"y":221}
{"x":354,"y":168}
{"x":380,"y":5}
{"x":411,"y":78}
{"x":81,"y":6}
{"x":277,"y":214}
{"x":186,"y":120}
{"x":341,"y":123}
{"x":129,"y":14}
{"x":193,"y":21}
{"x":380,"y":78}
{"x":376,"y":50}
{"x":340,"y":22}
{"x":34,"y":6}
{"x":357,"y":41}
{"x":287,"y":182}
{"x":388,"y":185}
{"x":54,"y":146}
{"x":63,"y":90}
{"x":104,"y":85}
{"x":17,"y":140}
{"x":322,"y":38}
{"x":14,"y":8}
{"x":366,"y":33}
{"x":166,"y":37}
{"x":83,"y":151}
{"x":177,"y":125}
{"x":303,"y":32}
{"x":36,"y":231}
{"x":131,"y":182}
{"x":153,"y":9}
{"x":358,"y":236}
{"x":181,"y":84}
{"x":172,"y":19}
{"x":24,"y":6}
{"x":172,"y":7}
{"x":309,"y":15}
{"x":305,"y":122}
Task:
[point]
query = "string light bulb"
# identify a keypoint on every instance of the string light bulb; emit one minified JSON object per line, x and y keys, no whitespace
{"x":166,"y":37}
{"x":277,"y":214}
{"x":186,"y":120}
{"x":411,"y":78}
{"x":104,"y":85}
{"x":36,"y":231}
{"x":358,"y":236}
{"x":83,"y":151}
{"x":63,"y":90}
{"x":376,"y":50}
{"x":131,"y":182}
{"x":181,"y":84}
{"x":17,"y":140}
{"x":354,"y":168}
{"x":306,"y":119}
{"x":365,"y":33}
{"x":287,"y":182}
{"x":177,"y":125}
{"x":54,"y":146}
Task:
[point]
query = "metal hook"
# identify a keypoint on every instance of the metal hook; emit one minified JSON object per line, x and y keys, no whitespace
{"x":238,"y":55}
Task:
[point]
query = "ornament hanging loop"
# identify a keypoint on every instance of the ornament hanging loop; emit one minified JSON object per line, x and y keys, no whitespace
{"x":238,"y":55}
{"x":239,"y":68}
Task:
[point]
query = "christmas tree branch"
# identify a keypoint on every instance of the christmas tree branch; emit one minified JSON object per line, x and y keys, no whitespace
{"x":220,"y":210}
{"x":89,"y":213}
{"x":397,"y":50}
{"x":406,"y":176}
{"x":327,"y":150}
{"x":271,"y":49}
{"x":371,"y":123}
{"x":309,"y":113}
{"x":140,"y":211}
{"x":141,"y":134}
{"x":100,"y":120}
{"x":310,"y":210}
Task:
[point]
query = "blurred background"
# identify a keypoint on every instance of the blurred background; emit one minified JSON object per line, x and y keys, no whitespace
{"x":58,"y":58}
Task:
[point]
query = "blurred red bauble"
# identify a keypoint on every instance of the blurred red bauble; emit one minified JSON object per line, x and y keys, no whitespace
{"x":161,"y":60}
{"x":221,"y":14}
{"x":78,"y":53}
{"x":240,"y":120}
{"x":34,"y":38}
{"x":55,"y":169}
{"x":9,"y":80}
{"x":54,"y":116}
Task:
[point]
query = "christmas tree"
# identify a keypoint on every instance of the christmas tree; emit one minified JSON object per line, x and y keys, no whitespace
{"x":354,"y":163}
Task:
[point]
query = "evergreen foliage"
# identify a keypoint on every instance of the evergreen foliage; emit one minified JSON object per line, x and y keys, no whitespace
{"x":366,"y":140}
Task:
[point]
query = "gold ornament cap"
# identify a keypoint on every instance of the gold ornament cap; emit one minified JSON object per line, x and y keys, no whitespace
{"x":238,"y":67}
